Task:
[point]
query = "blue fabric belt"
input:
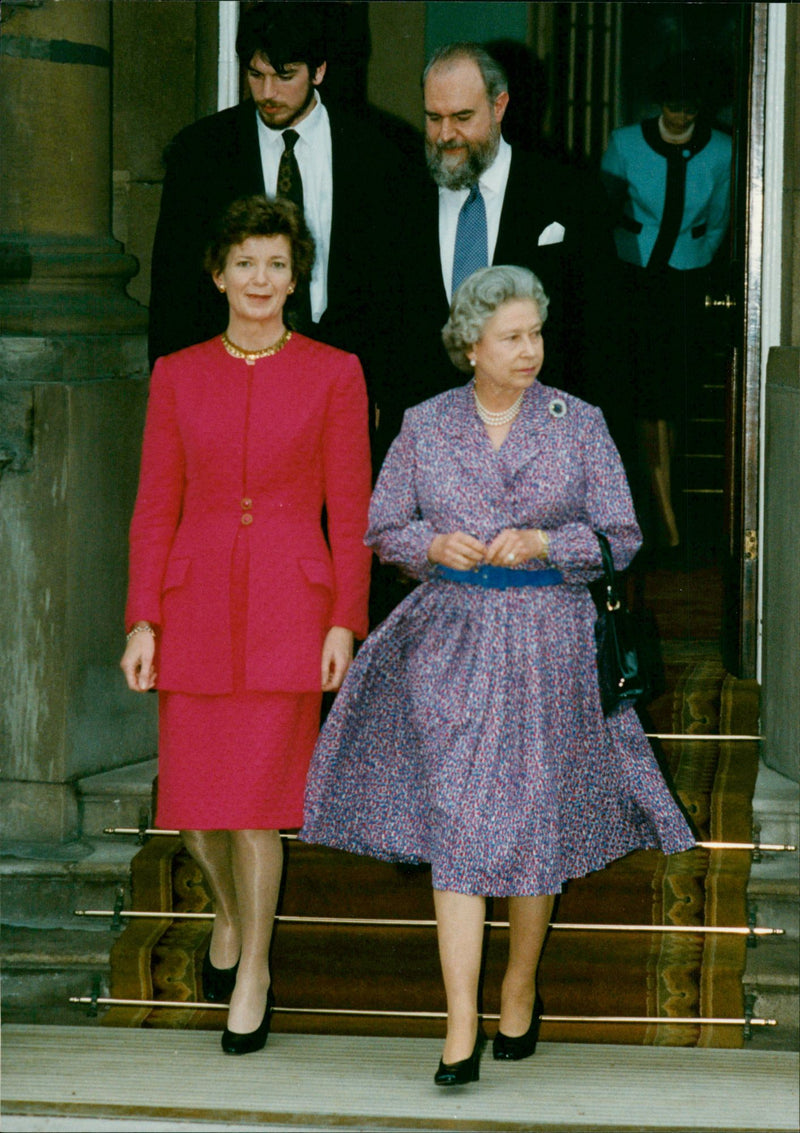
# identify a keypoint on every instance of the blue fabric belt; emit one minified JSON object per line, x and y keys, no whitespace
{"x":501,"y":578}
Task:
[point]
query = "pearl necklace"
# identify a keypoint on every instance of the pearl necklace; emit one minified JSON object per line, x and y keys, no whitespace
{"x":251,"y":356}
{"x":505,"y":417}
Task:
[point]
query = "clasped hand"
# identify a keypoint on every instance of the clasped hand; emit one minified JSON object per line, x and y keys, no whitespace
{"x":510,"y":547}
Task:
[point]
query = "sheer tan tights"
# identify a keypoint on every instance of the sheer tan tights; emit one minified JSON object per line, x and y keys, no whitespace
{"x":243,"y":870}
{"x":460,"y":929}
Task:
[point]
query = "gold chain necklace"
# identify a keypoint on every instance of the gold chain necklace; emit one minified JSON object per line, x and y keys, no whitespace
{"x":252,"y":356}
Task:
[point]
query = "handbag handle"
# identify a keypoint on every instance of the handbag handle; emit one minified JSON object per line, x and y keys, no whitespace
{"x":612,"y":597}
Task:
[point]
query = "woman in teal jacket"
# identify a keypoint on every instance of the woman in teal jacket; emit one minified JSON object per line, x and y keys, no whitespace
{"x":669,"y":178}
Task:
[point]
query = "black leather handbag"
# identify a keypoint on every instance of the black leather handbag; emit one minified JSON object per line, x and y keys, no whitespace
{"x":620,"y":654}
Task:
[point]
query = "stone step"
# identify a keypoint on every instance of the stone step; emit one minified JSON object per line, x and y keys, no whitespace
{"x":44,"y":885}
{"x":775,"y":902}
{"x":771,"y":978}
{"x":771,"y":987}
{"x":42,"y":968}
{"x":773,"y":963}
{"x":770,"y":1003}
{"x":116,"y":798}
{"x":776,"y":810}
{"x":49,"y":954}
{"x":324,"y":1083}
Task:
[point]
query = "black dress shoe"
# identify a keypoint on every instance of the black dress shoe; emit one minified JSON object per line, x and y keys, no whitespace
{"x":505,"y":1048}
{"x":218,"y":983}
{"x":235,"y":1043}
{"x":463,"y":1072}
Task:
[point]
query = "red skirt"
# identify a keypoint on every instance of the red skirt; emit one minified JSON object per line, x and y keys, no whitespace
{"x":237,"y":761}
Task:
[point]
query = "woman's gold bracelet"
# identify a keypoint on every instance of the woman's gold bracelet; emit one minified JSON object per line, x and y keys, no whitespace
{"x":140,"y":627}
{"x":545,"y":538}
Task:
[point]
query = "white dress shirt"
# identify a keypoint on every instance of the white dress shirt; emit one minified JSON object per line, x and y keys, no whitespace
{"x":492,"y":183}
{"x":313,"y":151}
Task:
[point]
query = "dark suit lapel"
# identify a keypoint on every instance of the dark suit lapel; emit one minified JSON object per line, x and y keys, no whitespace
{"x":348,"y":193}
{"x":250,"y":173}
{"x":432,"y":268}
{"x":523,"y":215}
{"x":343,"y":163}
{"x":422,"y":273}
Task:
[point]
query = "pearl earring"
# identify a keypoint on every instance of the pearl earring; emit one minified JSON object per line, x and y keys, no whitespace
{"x":222,"y":286}
{"x":472,"y":361}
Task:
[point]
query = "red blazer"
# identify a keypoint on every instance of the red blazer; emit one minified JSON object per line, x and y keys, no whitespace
{"x":251,"y":451}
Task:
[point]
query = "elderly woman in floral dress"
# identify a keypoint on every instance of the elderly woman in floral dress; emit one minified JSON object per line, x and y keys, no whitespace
{"x":469,"y":731}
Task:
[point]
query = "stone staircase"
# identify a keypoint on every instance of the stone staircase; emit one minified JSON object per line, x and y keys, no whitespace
{"x":386,"y":965}
{"x":772,"y":975}
{"x":47,"y":953}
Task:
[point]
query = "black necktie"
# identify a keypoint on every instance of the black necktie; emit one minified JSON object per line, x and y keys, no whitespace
{"x":290,"y":187}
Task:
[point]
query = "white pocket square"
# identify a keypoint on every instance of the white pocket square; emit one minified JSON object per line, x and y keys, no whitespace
{"x":553,"y":234}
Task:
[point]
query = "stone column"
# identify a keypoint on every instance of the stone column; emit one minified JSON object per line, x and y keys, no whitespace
{"x":781,"y":605}
{"x":61,"y":271}
{"x":72,"y":395}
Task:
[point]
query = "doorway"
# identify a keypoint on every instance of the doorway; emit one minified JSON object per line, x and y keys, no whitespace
{"x":697,"y":580}
{"x":581,"y":70}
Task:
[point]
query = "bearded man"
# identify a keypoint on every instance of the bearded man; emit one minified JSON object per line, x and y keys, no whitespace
{"x":282,"y":141}
{"x":489,"y":203}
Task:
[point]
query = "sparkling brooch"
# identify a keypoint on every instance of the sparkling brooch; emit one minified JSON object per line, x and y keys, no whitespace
{"x":557,"y":408}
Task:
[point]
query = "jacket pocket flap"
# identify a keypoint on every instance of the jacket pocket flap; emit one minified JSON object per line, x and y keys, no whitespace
{"x":318,"y":572}
{"x":175,"y":574}
{"x":629,"y":224}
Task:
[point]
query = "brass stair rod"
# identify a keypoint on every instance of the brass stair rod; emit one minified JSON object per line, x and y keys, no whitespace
{"x":659,"y":1020}
{"x":170,"y":914}
{"x":763,"y":846}
{"x":704,"y":736}
{"x":773,"y":847}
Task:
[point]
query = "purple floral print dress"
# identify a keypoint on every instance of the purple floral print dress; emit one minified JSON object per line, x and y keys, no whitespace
{"x":468,"y":732}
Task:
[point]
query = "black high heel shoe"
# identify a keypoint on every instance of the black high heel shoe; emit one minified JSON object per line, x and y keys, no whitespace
{"x":217,"y":983}
{"x":505,"y":1048}
{"x":235,"y":1043}
{"x":463,"y":1072}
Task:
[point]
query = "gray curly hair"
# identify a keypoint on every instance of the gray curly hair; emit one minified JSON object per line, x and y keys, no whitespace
{"x":476,"y":301}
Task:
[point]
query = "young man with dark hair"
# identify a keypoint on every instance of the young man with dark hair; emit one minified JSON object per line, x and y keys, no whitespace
{"x":342,"y":172}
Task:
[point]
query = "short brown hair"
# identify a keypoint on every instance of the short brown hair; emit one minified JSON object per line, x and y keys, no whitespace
{"x":261,"y":216}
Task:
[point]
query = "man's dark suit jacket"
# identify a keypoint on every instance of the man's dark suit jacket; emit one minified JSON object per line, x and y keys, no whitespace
{"x":578,"y":274}
{"x":217,"y":159}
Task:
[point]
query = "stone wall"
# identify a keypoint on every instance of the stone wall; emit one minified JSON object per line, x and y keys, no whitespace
{"x":72,"y":395}
{"x":163,"y":77}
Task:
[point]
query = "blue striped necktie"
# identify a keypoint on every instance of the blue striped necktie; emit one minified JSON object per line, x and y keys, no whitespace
{"x":472,"y":240}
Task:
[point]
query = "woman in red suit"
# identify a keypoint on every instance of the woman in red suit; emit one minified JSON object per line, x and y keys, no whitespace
{"x":236,"y":596}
